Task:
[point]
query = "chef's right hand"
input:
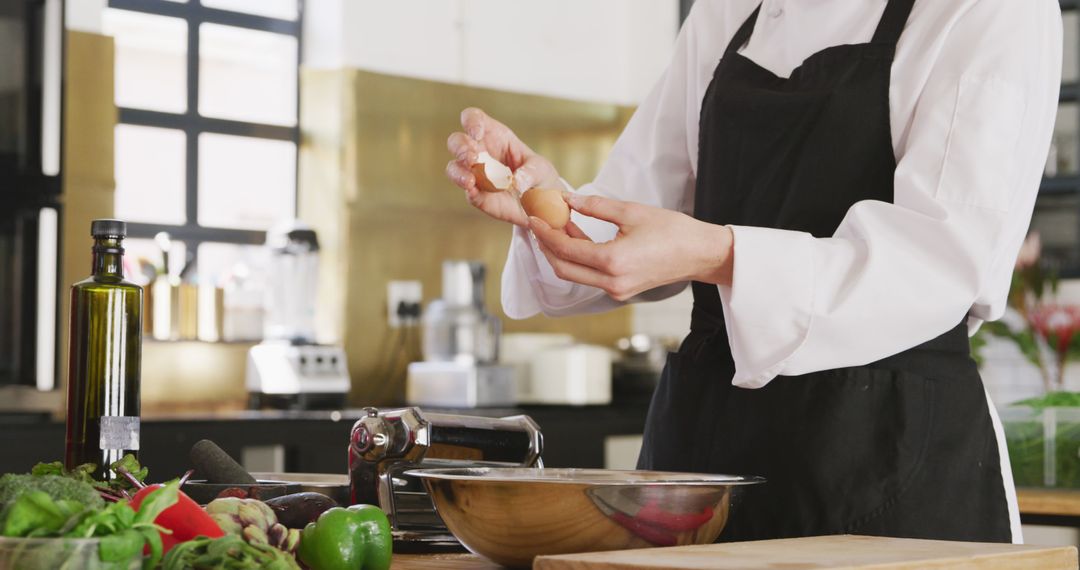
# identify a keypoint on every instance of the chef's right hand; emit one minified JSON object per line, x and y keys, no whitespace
{"x":482,"y":133}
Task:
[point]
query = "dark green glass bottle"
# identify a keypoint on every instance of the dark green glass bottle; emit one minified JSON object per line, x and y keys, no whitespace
{"x":104,"y":357}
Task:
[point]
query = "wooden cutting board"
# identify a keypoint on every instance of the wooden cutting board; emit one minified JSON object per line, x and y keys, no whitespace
{"x":825,"y":552}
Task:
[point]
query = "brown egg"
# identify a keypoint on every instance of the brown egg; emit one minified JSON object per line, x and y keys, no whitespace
{"x":491,"y":175}
{"x":548,"y":205}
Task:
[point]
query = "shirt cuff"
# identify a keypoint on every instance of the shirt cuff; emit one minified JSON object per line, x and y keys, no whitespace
{"x":769,"y":306}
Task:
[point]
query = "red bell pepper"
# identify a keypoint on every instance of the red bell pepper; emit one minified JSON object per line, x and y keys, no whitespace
{"x":186,"y":519}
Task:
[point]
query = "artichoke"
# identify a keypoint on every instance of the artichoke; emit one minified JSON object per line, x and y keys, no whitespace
{"x":254,"y":521}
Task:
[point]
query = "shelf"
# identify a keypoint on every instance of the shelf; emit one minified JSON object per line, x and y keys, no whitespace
{"x":1060,"y":185}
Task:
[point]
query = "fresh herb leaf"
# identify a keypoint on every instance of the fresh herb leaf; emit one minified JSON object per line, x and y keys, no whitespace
{"x":121,"y":546}
{"x":127,"y":468}
{"x":35,"y":514}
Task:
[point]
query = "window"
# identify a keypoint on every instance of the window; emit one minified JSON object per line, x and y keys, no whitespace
{"x":206,"y":145}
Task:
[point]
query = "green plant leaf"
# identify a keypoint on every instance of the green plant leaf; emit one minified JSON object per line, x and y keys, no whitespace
{"x":121,"y":546}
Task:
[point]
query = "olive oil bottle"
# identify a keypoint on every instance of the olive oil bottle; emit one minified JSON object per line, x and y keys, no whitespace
{"x":104,"y":357}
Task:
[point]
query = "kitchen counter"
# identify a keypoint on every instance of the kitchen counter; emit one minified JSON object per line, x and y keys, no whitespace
{"x":312,"y":441}
{"x":1056,"y":507}
{"x":817,"y":553}
{"x":441,"y":562}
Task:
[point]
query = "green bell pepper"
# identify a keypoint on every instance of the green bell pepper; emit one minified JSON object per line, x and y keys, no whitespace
{"x":356,"y":538}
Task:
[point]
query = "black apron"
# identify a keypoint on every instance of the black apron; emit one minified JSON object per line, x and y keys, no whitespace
{"x":901,"y":447}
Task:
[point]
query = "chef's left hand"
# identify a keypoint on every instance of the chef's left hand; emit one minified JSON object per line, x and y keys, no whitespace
{"x":654,"y":247}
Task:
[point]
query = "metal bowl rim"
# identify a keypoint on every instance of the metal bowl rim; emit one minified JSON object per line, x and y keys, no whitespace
{"x":669,"y":478}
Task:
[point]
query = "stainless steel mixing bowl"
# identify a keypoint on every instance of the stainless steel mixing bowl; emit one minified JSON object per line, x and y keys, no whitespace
{"x":511,"y":515}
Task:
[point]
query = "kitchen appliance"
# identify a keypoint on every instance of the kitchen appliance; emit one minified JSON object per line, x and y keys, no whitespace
{"x":460,"y":346}
{"x":31,"y":96}
{"x":289,"y":369}
{"x":572,"y":375}
{"x":512,"y":515}
{"x":385,"y":444}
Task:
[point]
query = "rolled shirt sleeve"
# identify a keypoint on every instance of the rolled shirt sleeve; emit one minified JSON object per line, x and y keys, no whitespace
{"x":896,"y":275}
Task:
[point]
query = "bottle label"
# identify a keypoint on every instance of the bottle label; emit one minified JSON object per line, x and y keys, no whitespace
{"x":119,"y":432}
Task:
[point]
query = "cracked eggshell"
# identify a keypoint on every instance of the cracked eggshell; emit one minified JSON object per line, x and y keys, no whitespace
{"x":491,"y":175}
{"x":548,"y":205}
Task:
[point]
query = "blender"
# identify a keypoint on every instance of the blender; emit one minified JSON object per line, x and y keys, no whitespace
{"x":289,"y":369}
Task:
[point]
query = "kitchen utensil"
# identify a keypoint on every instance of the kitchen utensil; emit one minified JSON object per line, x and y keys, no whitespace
{"x":511,"y":515}
{"x":203,"y":492}
{"x":823,"y":553}
{"x":216,"y":465}
{"x":333,"y":485}
{"x":385,"y":444}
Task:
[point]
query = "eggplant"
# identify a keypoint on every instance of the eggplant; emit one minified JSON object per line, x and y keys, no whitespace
{"x":298,"y":509}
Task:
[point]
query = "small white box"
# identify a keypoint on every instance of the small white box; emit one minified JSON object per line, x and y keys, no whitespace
{"x":576,"y":375}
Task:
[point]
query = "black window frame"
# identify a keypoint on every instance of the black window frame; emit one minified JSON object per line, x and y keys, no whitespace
{"x":192,"y":123}
{"x":1054,"y":189}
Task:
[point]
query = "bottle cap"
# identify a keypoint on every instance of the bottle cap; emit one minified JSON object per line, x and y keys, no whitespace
{"x":108,"y":228}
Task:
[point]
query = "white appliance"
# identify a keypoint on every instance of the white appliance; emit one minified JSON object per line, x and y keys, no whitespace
{"x":574,"y":375}
{"x":289,"y":369}
{"x":461,"y":347}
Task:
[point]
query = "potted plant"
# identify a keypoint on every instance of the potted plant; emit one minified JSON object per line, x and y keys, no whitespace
{"x":1042,"y":433}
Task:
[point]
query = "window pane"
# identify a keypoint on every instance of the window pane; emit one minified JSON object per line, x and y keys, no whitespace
{"x":1064,"y":158}
{"x":282,"y":9}
{"x":151,"y":60}
{"x":150,"y":179}
{"x":1070,"y":71}
{"x":220,"y":261}
{"x":245,"y":182}
{"x":247,"y":75}
{"x":142,"y":259}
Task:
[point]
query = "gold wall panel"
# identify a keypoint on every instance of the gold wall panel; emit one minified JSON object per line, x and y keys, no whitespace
{"x":372,"y":160}
{"x":89,"y":119}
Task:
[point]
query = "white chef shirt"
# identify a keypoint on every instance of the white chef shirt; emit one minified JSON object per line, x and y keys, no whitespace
{"x":973,"y":99}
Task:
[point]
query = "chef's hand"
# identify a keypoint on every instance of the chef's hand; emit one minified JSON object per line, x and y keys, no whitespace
{"x":482,"y":133}
{"x":654,"y":247}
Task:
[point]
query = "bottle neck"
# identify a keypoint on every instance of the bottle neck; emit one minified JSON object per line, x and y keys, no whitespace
{"x":108,"y":258}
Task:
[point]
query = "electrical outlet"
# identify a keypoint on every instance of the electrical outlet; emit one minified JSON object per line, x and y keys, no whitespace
{"x":398,"y":292}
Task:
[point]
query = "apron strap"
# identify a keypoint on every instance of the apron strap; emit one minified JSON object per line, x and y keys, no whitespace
{"x":743,"y":34}
{"x":892,"y":21}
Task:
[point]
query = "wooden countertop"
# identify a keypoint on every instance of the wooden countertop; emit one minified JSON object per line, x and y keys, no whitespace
{"x":441,"y":562}
{"x":819,"y":553}
{"x":1054,"y":502}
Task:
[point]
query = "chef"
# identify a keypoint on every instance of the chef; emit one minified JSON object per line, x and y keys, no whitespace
{"x":845,"y":185}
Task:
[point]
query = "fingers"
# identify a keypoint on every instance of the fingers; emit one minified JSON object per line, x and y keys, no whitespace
{"x":460,"y":175}
{"x":464,"y":148}
{"x":615,"y":211}
{"x":579,"y":251}
{"x":570,"y":271}
{"x":474,"y":121}
{"x":535,"y":171}
{"x":574,"y":231}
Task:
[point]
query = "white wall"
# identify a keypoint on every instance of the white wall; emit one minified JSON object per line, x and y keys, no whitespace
{"x":594,"y":50}
{"x":85,"y":15}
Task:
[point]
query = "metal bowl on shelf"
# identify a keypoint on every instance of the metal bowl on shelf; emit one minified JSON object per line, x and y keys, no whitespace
{"x":512,"y":515}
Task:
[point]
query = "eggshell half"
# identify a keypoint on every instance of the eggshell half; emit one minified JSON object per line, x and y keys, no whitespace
{"x":491,"y":175}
